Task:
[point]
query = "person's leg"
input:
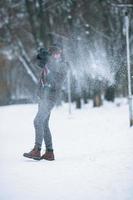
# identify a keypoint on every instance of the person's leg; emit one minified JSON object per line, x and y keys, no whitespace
{"x":49,"y":154}
{"x":47,"y":135}
{"x":40,"y":121}
{"x":35,"y":152}
{"x":43,"y":112}
{"x":39,"y":130}
{"x":44,"y":109}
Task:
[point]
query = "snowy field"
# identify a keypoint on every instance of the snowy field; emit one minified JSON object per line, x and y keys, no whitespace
{"x":93,"y":149}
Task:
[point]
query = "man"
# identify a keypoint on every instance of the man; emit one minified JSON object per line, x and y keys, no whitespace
{"x":52,"y":77}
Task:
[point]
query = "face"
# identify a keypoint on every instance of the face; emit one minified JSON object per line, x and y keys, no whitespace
{"x":57,"y":55}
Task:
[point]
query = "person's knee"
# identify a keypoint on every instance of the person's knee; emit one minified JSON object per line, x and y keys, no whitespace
{"x":37,"y":121}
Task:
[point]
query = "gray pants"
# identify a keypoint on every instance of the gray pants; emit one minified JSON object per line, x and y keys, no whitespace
{"x":41,"y":122}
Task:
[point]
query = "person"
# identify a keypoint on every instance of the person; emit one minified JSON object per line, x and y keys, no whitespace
{"x":53,"y":74}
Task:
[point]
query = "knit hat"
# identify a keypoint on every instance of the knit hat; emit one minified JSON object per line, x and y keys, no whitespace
{"x":55,"y":48}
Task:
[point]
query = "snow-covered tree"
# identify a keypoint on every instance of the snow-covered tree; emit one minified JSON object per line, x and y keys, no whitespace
{"x":91,"y":32}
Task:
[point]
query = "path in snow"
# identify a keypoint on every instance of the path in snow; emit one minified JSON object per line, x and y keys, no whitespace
{"x":93,"y":148}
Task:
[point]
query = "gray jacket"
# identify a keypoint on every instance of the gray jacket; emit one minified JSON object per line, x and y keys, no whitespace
{"x":53,"y":75}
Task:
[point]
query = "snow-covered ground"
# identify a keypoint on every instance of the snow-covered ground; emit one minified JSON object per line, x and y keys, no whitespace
{"x":93,"y":149}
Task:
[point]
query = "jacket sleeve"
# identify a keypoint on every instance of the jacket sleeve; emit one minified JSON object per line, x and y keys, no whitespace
{"x":56,"y":78}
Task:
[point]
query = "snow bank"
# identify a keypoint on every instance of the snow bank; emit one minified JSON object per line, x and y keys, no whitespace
{"x":93,"y":149}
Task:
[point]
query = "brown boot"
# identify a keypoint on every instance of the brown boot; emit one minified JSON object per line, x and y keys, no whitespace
{"x":33,"y":154}
{"x":49,"y":155}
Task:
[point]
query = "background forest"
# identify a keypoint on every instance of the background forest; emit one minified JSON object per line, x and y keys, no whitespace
{"x":92,"y":33}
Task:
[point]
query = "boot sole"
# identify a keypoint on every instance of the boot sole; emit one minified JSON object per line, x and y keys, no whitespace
{"x":47,"y":159}
{"x":30,"y":157}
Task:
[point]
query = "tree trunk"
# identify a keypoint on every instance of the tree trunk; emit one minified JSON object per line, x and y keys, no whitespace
{"x":85,"y":97}
{"x":78,"y":103}
{"x":110,"y":93}
{"x":97,"y":100}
